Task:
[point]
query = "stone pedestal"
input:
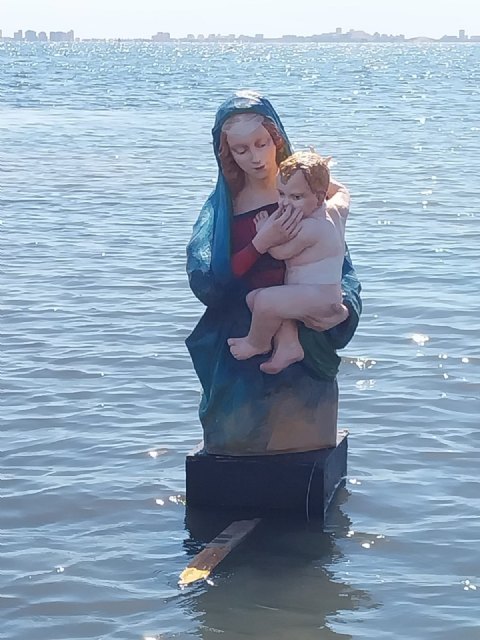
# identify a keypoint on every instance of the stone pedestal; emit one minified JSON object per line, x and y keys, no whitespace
{"x":301,"y":483}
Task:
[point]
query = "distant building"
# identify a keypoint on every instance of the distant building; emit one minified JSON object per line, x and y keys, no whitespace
{"x":30,"y":36}
{"x":462,"y":36}
{"x":161,"y":36}
{"x":324,"y":37}
{"x":290,"y":38}
{"x":338,"y":31}
{"x":359,"y":36}
{"x":18,"y":35}
{"x":259,"y":36}
{"x":62,"y":36}
{"x":42,"y":37}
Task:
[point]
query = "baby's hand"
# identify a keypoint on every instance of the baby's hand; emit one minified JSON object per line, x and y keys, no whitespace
{"x":260,"y":220}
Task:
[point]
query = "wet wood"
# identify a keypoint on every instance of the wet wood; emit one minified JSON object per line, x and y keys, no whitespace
{"x":205,"y":562}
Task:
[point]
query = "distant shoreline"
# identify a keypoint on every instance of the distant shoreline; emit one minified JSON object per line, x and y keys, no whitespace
{"x":411,"y":41}
{"x":339,"y":36}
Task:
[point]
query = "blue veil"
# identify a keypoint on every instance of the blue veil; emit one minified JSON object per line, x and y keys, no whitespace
{"x":208,"y":253}
{"x":241,"y":407}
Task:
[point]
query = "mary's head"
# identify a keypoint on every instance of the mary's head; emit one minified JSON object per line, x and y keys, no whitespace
{"x":249,"y":140}
{"x":250,"y":145}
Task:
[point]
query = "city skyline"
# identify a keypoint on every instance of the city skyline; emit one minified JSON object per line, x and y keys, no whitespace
{"x":110,"y":19}
{"x":339,"y":36}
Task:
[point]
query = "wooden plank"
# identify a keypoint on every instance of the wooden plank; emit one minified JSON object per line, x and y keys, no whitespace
{"x":205,"y":562}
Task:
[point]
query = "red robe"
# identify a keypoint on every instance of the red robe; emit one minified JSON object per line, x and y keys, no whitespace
{"x":258,"y":270}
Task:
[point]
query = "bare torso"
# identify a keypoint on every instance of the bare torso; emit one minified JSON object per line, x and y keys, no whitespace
{"x":320,"y":263}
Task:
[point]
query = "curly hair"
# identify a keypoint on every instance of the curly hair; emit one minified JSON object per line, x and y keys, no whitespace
{"x":314,"y":168}
{"x":234,"y":176}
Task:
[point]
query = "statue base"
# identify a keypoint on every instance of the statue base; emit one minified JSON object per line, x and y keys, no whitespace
{"x":304,"y":483}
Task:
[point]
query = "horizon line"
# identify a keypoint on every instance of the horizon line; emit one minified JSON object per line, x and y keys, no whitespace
{"x":166,"y":36}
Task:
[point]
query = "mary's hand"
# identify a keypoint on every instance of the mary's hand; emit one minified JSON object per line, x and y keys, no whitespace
{"x":339,"y":313}
{"x":281,"y":226}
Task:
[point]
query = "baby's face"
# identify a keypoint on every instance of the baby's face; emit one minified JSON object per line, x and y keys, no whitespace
{"x":297,"y":193}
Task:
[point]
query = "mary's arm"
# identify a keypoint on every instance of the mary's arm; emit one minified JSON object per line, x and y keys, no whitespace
{"x":214,"y":279}
{"x":208,"y":266}
{"x":342,"y":333}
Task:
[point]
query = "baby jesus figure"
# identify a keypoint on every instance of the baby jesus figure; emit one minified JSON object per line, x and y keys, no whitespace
{"x":313,"y":259}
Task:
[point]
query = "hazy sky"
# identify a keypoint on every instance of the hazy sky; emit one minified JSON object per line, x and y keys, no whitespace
{"x":142,"y":18}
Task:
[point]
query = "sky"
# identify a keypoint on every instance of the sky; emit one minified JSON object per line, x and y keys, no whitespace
{"x":143,"y":18}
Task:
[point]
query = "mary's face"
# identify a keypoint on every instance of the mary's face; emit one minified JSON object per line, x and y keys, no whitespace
{"x":255,"y":152}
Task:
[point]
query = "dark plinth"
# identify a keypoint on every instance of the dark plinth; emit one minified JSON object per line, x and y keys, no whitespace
{"x":304,"y":483}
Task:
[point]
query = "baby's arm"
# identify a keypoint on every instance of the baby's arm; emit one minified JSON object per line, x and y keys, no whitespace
{"x":307,"y":237}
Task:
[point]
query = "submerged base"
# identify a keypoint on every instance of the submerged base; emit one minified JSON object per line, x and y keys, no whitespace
{"x":289,"y":482}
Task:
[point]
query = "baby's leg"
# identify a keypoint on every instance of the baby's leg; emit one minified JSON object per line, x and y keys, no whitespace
{"x":239,"y":348}
{"x":286,"y":348}
{"x":250,"y":299}
{"x":271,"y":307}
{"x":265,"y":323}
{"x":305,"y":301}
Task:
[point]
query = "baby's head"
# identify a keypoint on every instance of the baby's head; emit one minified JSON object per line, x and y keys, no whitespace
{"x":303,"y":181}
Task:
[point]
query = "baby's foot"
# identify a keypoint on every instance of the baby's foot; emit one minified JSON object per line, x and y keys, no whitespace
{"x":242,"y":349}
{"x":283,"y":357}
{"x":260,"y":220}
